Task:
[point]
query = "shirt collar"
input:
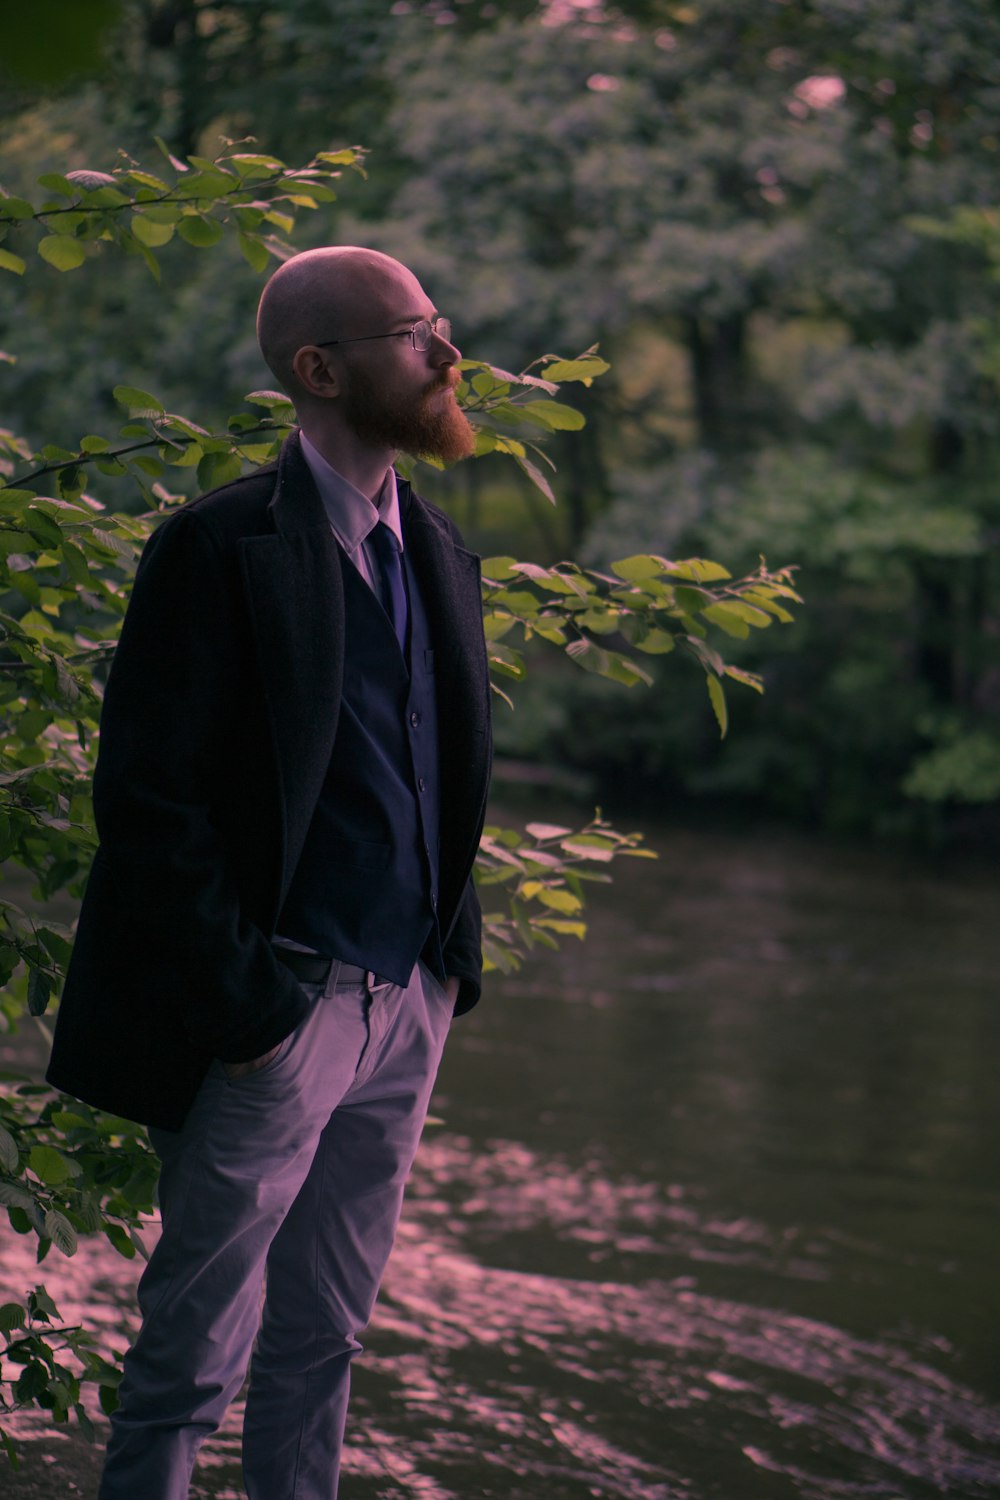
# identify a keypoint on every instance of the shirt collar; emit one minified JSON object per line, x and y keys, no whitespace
{"x":351,"y":514}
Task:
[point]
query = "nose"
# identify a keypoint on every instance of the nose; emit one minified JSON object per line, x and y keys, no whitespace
{"x":442,"y":352}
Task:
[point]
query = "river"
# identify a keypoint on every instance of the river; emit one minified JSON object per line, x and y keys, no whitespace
{"x":708,"y":1210}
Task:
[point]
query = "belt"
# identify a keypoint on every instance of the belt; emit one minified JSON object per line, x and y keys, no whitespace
{"x":314,"y":968}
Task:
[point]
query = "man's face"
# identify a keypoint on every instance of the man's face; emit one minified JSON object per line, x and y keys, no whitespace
{"x":395,"y":396}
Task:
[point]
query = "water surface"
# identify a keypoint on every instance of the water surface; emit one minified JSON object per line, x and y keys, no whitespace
{"x":711,"y":1212}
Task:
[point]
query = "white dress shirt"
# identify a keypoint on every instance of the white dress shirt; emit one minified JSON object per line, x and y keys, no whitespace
{"x":353,"y":517}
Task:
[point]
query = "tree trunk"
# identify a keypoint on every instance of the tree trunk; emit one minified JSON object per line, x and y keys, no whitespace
{"x":717,"y":351}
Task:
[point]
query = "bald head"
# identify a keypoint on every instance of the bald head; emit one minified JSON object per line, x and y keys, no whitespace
{"x":332,"y":293}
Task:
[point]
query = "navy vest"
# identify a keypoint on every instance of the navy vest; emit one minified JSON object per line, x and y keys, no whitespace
{"x":365,"y":888}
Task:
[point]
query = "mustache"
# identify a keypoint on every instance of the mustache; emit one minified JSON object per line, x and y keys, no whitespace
{"x":445,"y":382}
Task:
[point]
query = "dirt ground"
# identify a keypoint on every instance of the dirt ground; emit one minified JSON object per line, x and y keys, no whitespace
{"x":53,"y":1468}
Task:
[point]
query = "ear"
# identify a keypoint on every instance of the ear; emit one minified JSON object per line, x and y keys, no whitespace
{"x":314,"y":374}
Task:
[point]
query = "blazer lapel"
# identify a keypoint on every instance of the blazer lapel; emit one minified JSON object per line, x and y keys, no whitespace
{"x":450,"y":578}
{"x":295,"y":593}
{"x":450,"y":582}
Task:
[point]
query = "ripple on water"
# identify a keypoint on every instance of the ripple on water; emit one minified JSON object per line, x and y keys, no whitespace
{"x":614,"y":1378}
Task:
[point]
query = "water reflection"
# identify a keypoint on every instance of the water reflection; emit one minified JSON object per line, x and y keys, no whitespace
{"x":710,"y":1213}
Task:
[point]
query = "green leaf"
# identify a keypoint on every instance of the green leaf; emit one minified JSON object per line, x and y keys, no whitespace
{"x":50,"y":1166}
{"x":62,"y":252}
{"x":654,"y":642}
{"x":32,"y":1383}
{"x":718,"y":701}
{"x":111,"y":543}
{"x":8,"y":1151}
{"x":216,"y":469}
{"x":699,"y":569}
{"x":109,"y":1399}
{"x":12,"y":1315}
{"x":61,"y":1232}
{"x":58,"y":945}
{"x":149,"y":232}
{"x":12,"y":1196}
{"x":16,"y":208}
{"x":133,"y":246}
{"x":609,"y":664}
{"x":547,"y":831}
{"x":56,"y":183}
{"x":737,"y":609}
{"x":42,"y":527}
{"x":137,"y":402}
{"x":86,"y":1426}
{"x":590,"y":846}
{"x":254,"y":251}
{"x":119,"y":1238}
{"x":41,"y":1304}
{"x":562,"y":926}
{"x":749,"y":679}
{"x":503,"y":659}
{"x":585,"y":369}
{"x":146,"y":179}
{"x":270,"y":399}
{"x":554,"y":415}
{"x":10,"y":262}
{"x":197,"y":230}
{"x":39,"y":991}
{"x":707,"y":655}
{"x":536,"y":476}
{"x":559,"y":900}
{"x":186,"y":426}
{"x":255,"y":166}
{"x":720,"y":615}
{"x":642,"y":566}
{"x":498,"y":569}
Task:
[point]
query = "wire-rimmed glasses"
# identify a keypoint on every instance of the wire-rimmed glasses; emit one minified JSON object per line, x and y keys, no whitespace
{"x":420,"y":335}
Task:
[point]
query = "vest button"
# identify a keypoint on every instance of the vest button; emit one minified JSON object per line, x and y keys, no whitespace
{"x":414,"y":719}
{"x":421,"y":784}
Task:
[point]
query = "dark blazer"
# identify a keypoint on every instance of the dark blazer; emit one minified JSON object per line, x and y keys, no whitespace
{"x":217,"y":729}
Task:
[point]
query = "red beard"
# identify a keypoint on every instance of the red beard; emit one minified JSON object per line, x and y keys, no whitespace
{"x":430,"y":425}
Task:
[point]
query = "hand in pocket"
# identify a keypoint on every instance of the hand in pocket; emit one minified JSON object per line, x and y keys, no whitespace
{"x":240,"y":1070}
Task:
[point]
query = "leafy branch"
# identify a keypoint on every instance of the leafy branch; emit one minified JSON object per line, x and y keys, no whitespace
{"x":253,"y":193}
{"x":36,"y":1347}
{"x":542,"y":872}
{"x":650,"y":603}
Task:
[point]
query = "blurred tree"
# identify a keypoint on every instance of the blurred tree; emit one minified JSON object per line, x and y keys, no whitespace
{"x":733,"y":197}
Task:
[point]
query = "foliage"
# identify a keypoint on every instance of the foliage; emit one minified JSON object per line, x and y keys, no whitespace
{"x":545,"y":868}
{"x":37,"y":1350}
{"x":67,"y":560}
{"x":874,"y":685}
{"x":139,"y":211}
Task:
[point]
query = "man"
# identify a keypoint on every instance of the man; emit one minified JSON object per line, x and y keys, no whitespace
{"x":280,"y":921}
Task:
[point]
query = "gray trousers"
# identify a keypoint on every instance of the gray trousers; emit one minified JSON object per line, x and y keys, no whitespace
{"x":292,"y":1175}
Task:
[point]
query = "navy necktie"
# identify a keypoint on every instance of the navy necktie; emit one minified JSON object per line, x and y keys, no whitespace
{"x":393,"y":587}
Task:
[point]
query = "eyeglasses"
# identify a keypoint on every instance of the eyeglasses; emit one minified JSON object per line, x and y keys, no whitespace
{"x":420,"y":335}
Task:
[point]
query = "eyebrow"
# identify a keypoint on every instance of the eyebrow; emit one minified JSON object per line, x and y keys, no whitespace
{"x":408,"y":319}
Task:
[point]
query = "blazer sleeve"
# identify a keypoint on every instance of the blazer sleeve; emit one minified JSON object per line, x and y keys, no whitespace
{"x":463,"y":951}
{"x":167,"y":730}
